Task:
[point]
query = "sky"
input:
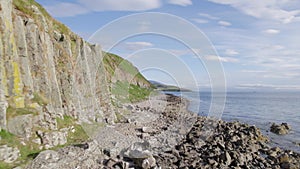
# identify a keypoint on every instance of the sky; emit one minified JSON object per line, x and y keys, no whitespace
{"x":196,"y":44}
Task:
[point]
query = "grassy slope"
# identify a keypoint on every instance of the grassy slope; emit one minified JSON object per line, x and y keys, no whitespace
{"x":124,"y":90}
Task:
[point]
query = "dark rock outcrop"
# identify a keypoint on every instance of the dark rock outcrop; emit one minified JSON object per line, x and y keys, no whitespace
{"x":218,"y":144}
{"x":281,"y":129}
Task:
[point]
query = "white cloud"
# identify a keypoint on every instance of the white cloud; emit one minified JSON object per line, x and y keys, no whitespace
{"x":180,"y":2}
{"x":218,"y":58}
{"x":201,"y":21}
{"x":254,"y":71}
{"x":271,"y":31}
{"x":271,"y":9}
{"x":85,"y":6}
{"x":121,"y":5}
{"x":66,"y":9}
{"x":137,"y":45}
{"x":208,"y":16}
{"x":231,"y":52}
{"x":224,"y":23}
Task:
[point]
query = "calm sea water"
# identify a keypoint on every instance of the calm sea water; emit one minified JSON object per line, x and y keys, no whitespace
{"x":256,"y":108}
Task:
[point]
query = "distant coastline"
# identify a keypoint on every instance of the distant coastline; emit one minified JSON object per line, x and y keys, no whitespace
{"x":167,"y":88}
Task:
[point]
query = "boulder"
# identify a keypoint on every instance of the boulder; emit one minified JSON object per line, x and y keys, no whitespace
{"x":281,"y":129}
{"x":9,"y":154}
{"x":140,"y":155}
{"x":52,"y":139}
{"x":21,"y":125}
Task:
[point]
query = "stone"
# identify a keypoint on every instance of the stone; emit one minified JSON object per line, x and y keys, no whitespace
{"x":281,"y":129}
{"x":21,"y":125}
{"x":52,"y":139}
{"x":140,"y":155}
{"x":8,"y":154}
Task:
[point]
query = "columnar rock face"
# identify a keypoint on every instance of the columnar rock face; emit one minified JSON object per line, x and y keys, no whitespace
{"x":48,"y":71}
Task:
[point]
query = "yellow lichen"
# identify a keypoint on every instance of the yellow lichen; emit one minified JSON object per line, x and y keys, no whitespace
{"x":17,"y":88}
{"x":34,"y":105}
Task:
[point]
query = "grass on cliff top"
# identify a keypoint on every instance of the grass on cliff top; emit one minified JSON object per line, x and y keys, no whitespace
{"x":25,"y":7}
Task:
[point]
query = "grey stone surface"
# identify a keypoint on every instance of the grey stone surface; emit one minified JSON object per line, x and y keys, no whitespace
{"x":21,"y":125}
{"x":52,"y":139}
{"x":8,"y":154}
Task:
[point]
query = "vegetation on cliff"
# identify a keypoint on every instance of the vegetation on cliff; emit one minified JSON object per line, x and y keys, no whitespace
{"x":26,"y":7}
{"x":127,"y":83}
{"x":50,"y":88}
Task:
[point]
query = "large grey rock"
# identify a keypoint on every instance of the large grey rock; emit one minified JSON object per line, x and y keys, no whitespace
{"x":70,"y":157}
{"x":21,"y":125}
{"x":52,"y":139}
{"x":140,"y":154}
{"x":8,"y":154}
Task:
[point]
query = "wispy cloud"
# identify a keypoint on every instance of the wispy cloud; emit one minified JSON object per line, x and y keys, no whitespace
{"x":272,"y":10}
{"x":64,"y":9}
{"x":231,"y":52}
{"x":254,"y":71}
{"x":224,"y":23}
{"x":137,"y":45}
{"x":180,"y":2}
{"x":208,"y":16}
{"x":271,"y":31}
{"x":218,"y":58}
{"x":121,"y":5}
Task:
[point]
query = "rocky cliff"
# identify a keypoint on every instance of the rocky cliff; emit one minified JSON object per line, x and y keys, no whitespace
{"x":50,"y":77}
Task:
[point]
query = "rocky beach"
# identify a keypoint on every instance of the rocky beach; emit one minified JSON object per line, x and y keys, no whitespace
{"x":67,"y":104}
{"x":161,"y":133}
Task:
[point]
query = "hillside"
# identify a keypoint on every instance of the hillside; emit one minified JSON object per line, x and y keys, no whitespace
{"x":163,"y":87}
{"x":127,"y":83}
{"x":53,"y":84}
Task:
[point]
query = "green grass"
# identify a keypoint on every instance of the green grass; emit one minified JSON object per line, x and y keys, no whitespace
{"x":78,"y":136}
{"x":5,"y":165}
{"x":123,"y":90}
{"x":6,"y":137}
{"x":25,"y":7}
{"x":13,"y":112}
{"x":31,"y":150}
{"x":112,"y":62}
{"x":126,"y":92}
{"x":137,"y":93}
{"x":39,"y":99}
{"x":66,"y":121}
{"x":27,"y":151}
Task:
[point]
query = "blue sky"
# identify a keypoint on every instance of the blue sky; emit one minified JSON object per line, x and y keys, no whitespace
{"x":256,"y":41}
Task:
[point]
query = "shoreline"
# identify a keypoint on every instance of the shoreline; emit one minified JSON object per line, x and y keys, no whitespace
{"x":162,"y":132}
{"x":289,"y":141}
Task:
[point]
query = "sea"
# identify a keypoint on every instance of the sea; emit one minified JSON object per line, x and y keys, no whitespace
{"x":260,"y":109}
